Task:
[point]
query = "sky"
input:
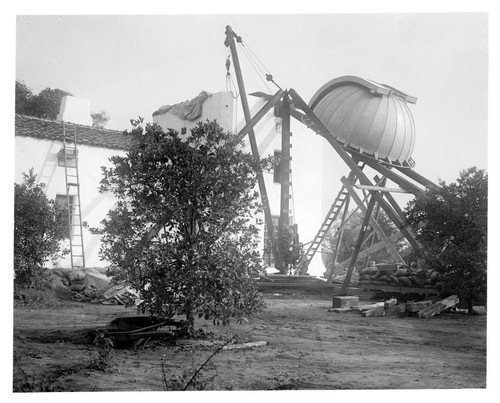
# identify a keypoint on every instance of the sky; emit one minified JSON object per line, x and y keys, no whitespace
{"x":131,"y":65}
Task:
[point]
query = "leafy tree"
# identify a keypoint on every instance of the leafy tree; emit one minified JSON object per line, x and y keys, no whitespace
{"x":183,"y":231}
{"x":451,"y":223}
{"x":99,"y":119}
{"x":24,"y":97}
{"x":39,"y":225}
{"x":47,"y":103}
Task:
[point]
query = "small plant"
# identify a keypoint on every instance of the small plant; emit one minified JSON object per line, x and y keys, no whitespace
{"x":104,"y":352}
{"x":28,"y":382}
{"x":191,"y":379}
{"x":186,"y":381}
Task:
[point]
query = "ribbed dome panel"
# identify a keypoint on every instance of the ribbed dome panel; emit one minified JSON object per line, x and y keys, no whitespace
{"x":368,"y":117}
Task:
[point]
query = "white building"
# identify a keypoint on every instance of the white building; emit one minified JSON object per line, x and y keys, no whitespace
{"x":39,"y":142}
{"x":38,"y":145}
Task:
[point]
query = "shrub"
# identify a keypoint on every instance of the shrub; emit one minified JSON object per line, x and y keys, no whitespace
{"x":39,"y":226}
{"x":452,"y":225}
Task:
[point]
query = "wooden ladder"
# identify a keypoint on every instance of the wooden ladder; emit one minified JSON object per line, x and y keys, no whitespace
{"x":73,"y":200}
{"x":330,"y":218}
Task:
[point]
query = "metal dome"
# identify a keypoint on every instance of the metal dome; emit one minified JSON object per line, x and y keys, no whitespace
{"x":368,"y":118}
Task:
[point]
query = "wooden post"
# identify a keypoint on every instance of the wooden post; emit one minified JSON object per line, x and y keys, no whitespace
{"x":285,"y":159}
{"x":284,"y":219}
{"x":359,"y":242}
{"x":339,"y":238}
{"x":230,"y":35}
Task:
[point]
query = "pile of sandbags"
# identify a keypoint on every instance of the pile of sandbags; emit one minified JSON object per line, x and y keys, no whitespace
{"x":393,"y":274}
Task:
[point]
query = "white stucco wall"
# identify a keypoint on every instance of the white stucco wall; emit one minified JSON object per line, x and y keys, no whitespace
{"x":218,"y":106}
{"x":42,"y":156}
{"x":307,"y":160}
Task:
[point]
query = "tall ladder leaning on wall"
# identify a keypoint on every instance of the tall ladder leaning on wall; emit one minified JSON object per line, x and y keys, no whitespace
{"x":73,"y":200}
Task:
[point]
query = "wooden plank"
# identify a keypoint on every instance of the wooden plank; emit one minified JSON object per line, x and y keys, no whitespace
{"x":418,"y":178}
{"x":403,"y":290}
{"x":259,"y":115}
{"x":368,"y":307}
{"x":438,"y":307}
{"x":245,"y":345}
{"x":417,"y":306}
{"x":342,"y":310}
{"x":389,"y":173}
{"x":396,"y":310}
{"x":390,"y":303}
{"x":378,"y":311}
{"x":381,"y":189}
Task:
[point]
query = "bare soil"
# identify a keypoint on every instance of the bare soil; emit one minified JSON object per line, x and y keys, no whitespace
{"x":307,"y":348}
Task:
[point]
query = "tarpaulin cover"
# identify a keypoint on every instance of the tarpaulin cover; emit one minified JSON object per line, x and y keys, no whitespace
{"x":97,"y":280}
{"x":188,"y":110}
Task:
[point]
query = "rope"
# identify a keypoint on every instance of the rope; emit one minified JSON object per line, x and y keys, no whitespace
{"x":229,"y":79}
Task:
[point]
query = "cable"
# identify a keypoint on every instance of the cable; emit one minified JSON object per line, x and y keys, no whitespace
{"x":268,"y":75}
{"x":253,"y":53}
{"x":254,"y":65}
{"x":260,"y":72}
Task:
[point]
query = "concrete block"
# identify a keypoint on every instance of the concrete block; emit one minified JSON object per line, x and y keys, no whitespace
{"x":345,"y":302}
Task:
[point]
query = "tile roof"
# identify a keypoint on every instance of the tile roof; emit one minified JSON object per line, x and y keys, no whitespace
{"x":28,"y":126}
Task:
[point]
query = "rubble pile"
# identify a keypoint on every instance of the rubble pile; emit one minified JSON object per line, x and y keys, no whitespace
{"x":92,"y":285}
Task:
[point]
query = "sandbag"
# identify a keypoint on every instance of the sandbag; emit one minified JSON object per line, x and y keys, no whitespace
{"x":402,"y":272}
{"x":404,"y":280}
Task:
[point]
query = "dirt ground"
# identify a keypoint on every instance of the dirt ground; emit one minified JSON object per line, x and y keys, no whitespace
{"x":307,"y":348}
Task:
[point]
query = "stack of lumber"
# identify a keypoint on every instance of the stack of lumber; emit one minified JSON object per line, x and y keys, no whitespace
{"x":421,"y":309}
{"x":386,"y":308}
{"x":397,"y":275}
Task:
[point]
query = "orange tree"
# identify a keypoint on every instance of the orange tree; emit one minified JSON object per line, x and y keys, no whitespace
{"x":184,"y":230}
{"x":451,"y":223}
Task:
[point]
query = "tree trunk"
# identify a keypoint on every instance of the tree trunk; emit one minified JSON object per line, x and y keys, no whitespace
{"x":190,"y":322}
{"x":470,"y":304}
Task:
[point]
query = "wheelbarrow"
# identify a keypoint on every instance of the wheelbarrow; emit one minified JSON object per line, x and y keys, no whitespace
{"x":133,"y":331}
